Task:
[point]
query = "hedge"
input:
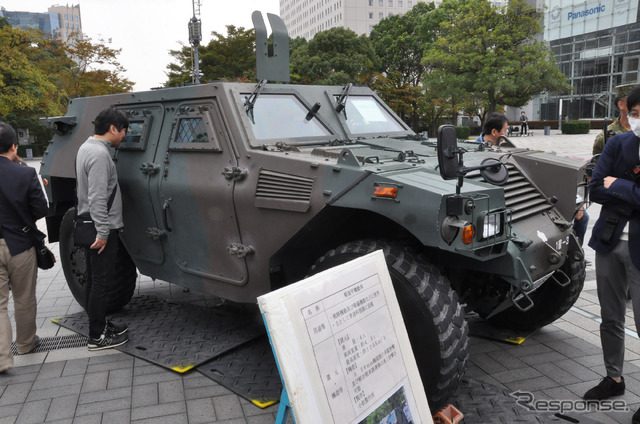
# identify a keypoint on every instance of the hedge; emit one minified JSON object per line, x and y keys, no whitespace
{"x":576,"y":127}
{"x":37,"y":150}
{"x":462,"y":133}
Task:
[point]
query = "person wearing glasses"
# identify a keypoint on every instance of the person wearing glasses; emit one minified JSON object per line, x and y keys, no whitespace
{"x":22,"y":202}
{"x":616,"y":240}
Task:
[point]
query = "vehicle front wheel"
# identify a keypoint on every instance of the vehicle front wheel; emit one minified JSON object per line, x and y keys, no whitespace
{"x":74,"y":265}
{"x":433,"y":317}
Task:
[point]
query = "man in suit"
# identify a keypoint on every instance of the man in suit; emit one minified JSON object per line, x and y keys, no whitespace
{"x":22,"y":203}
{"x":616,"y":240}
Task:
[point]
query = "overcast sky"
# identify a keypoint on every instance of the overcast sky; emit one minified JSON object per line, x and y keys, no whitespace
{"x":146,"y":30}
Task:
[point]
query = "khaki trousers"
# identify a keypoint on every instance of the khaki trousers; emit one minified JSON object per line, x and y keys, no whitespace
{"x":21,"y":272}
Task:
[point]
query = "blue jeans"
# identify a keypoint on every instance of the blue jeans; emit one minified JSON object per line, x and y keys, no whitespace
{"x":580,"y":226}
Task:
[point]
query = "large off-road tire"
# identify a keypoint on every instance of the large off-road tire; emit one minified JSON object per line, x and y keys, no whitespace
{"x":74,"y":265}
{"x":551,"y":300}
{"x":433,"y":317}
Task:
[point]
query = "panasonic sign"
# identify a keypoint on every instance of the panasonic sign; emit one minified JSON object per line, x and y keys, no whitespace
{"x":583,"y":13}
{"x":568,"y":18}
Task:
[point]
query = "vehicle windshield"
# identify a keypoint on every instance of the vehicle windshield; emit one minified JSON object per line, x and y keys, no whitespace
{"x":279,"y":116}
{"x":365,"y":115}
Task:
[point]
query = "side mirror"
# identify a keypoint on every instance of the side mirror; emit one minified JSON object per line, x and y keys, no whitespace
{"x":447,"y":147}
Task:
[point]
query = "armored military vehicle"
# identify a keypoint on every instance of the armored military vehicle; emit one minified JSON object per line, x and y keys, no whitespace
{"x":237,"y":189}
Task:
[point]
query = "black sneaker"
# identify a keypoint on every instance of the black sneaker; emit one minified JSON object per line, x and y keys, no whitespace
{"x":636,"y":417}
{"x":107,"y":340}
{"x":605,"y":389}
{"x":118,"y":330}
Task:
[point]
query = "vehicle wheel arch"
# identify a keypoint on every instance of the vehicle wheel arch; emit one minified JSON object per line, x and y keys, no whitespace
{"x":292,"y":261}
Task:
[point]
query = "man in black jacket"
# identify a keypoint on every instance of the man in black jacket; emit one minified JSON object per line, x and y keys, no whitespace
{"x":22,"y":203}
{"x":616,"y":240}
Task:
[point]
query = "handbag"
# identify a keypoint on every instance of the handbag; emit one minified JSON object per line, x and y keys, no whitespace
{"x":84,"y":230}
{"x":45,"y":257}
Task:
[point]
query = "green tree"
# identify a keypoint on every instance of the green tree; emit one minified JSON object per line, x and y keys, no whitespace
{"x":492,"y":53}
{"x":28,"y":92}
{"x":399,"y":41}
{"x":96,"y":70}
{"x":230,"y":57}
{"x":334,"y":57}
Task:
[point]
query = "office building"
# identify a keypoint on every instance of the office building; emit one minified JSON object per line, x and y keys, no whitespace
{"x":597,"y":46}
{"x":61,"y":22}
{"x":305,"y":18}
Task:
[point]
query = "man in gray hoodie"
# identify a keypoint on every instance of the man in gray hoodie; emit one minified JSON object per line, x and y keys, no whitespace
{"x":99,"y":197}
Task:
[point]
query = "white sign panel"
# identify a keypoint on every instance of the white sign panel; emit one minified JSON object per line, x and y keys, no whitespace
{"x":343,"y":351}
{"x":567,"y":18}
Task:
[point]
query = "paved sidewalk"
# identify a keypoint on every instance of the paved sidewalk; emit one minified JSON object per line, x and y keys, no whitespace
{"x":72,"y":385}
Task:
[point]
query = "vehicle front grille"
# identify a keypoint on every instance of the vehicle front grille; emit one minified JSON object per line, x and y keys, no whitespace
{"x":522,"y":197}
{"x":276,"y":190}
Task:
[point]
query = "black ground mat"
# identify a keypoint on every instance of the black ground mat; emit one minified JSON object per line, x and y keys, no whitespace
{"x":483,"y":403}
{"x":249,"y":371}
{"x":175,"y":335}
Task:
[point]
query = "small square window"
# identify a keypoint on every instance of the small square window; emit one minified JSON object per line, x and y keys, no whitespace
{"x":390,"y":3}
{"x":399,"y":3}
{"x":409,"y":3}
{"x":380,"y":15}
{"x":380,"y":3}
{"x":370,"y":15}
{"x":370,"y":2}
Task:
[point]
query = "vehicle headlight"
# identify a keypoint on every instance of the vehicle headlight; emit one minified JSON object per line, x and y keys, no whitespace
{"x":492,"y":225}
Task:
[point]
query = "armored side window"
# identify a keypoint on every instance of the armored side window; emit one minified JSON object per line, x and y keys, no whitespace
{"x":196,"y":127}
{"x":282,"y":116}
{"x":191,"y":130}
{"x":140,"y":121}
{"x":134,"y":132}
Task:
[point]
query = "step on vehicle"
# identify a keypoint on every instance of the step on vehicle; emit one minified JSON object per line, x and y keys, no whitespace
{"x":237,"y":189}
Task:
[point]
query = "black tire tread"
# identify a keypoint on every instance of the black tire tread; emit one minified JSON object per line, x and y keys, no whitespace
{"x":439,"y":298}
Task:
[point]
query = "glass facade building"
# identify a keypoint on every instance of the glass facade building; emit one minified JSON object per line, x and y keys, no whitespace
{"x":597,"y":47}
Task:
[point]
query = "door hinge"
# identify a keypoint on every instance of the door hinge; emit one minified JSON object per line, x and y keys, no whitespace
{"x":235,"y":173}
{"x":155,"y":233}
{"x":240,"y":250}
{"x":150,"y":168}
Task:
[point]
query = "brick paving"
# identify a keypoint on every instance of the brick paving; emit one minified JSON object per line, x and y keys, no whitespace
{"x":72,"y":385}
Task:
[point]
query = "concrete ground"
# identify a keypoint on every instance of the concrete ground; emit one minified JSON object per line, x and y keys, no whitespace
{"x":72,"y":385}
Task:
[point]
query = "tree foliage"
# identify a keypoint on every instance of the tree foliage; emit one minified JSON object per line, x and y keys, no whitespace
{"x":96,"y":71}
{"x":492,"y":53}
{"x":27,"y":88}
{"x":337,"y":56}
{"x":225,"y":57}
{"x":38,"y":75}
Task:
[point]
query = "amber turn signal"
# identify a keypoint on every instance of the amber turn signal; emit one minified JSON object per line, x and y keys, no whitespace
{"x":386,"y":192}
{"x":467,"y":234}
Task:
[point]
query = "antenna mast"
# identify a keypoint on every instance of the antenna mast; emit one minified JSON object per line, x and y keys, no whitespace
{"x":195,"y":36}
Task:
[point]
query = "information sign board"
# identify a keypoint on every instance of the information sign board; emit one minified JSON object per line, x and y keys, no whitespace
{"x":342,"y":348}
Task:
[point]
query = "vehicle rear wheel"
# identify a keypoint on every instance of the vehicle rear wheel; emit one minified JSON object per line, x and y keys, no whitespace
{"x":551,"y":300}
{"x":74,"y":265}
{"x":433,"y":317}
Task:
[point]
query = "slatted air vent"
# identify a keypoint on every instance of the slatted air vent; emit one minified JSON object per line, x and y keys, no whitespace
{"x":522,"y":197}
{"x":276,"y":190}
